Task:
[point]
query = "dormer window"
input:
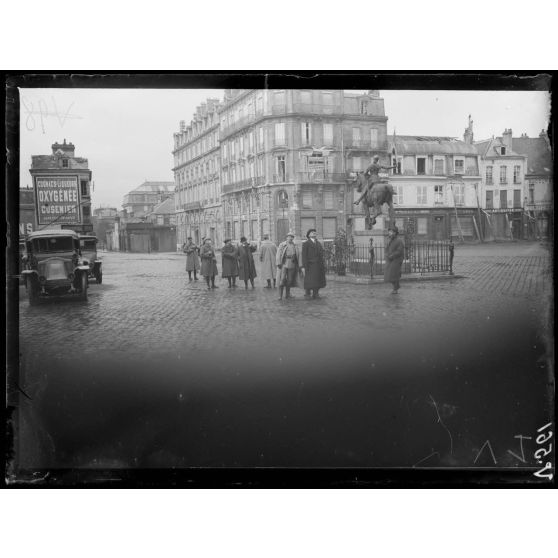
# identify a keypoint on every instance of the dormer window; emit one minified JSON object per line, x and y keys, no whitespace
{"x":65,"y":163}
{"x":502,"y":150}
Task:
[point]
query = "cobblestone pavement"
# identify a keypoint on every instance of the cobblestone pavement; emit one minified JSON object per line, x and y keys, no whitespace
{"x":155,"y":370}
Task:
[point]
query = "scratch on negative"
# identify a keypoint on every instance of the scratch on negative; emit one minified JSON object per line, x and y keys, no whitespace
{"x":442,"y":423}
{"x":427,"y":457}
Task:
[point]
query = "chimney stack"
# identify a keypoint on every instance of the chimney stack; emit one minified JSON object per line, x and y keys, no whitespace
{"x":507,"y":138}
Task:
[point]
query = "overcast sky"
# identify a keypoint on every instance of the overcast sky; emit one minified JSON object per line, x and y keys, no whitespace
{"x":127,"y":134}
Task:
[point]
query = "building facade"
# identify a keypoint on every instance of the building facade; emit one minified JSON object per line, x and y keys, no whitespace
{"x":538,"y":184}
{"x":141,"y":200}
{"x":196,"y":169}
{"x":62,"y":189}
{"x":285,"y":156}
{"x":436,"y":184}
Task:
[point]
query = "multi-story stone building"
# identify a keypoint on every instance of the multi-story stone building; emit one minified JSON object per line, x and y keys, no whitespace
{"x":141,"y":200}
{"x":62,"y":188}
{"x":502,"y":171}
{"x":436,"y":184}
{"x":285,"y":156}
{"x":196,"y":174}
{"x":537,"y":183}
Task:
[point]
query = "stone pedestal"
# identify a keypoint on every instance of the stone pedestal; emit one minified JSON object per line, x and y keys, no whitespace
{"x":362,"y":238}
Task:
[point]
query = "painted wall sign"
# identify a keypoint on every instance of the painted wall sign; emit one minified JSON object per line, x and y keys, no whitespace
{"x":57,"y":200}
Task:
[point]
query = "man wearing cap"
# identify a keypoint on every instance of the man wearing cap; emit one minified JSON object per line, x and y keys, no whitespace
{"x":313,"y":265}
{"x":192,"y":259}
{"x":288,"y":262}
{"x":395,"y":252}
{"x":372,"y":173}
{"x":246,"y":265}
{"x":268,"y":256}
{"x":229,"y":261}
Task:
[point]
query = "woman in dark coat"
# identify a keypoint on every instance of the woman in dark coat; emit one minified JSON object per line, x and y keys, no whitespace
{"x":313,"y":265}
{"x":395,"y":251}
{"x":192,"y":259}
{"x":246,"y":265}
{"x":208,"y":263}
{"x":229,"y":260}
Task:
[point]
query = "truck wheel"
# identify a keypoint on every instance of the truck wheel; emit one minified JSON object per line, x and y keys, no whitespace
{"x":99,"y":277}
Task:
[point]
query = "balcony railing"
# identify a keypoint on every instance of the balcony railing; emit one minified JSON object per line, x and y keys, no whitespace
{"x":238,"y":124}
{"x":316,"y":177}
{"x":279,"y":178}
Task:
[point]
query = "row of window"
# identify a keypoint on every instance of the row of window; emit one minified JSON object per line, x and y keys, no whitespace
{"x":208,"y":142}
{"x":209,"y":191}
{"x":195,"y":129}
{"x":505,"y":200}
{"x":439,"y":165}
{"x":202,"y":170}
{"x":503,"y":174}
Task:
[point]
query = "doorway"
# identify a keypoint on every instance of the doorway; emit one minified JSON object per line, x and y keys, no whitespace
{"x":439,"y":227}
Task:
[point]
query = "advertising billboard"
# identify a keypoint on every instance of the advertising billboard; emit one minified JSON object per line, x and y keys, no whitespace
{"x":57,"y":200}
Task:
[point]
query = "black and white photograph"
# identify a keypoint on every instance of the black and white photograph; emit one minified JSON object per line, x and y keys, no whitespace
{"x":220,"y":279}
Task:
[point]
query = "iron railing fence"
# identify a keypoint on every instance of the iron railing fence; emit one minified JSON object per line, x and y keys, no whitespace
{"x":423,"y":257}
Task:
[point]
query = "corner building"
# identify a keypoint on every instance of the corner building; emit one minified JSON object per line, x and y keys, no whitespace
{"x":285,"y":157}
{"x":62,"y":189}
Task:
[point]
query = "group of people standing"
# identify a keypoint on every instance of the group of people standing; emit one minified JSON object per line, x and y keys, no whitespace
{"x":288,"y":265}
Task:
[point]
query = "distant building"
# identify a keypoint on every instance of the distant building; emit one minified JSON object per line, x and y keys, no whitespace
{"x":62,"y":188}
{"x":163,"y":213}
{"x":141,"y":200}
{"x":517,"y":184}
{"x":103,"y":221}
{"x":538,"y":194}
{"x":436,"y":184}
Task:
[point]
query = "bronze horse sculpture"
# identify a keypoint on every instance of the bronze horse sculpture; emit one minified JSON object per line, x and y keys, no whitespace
{"x":380,"y":193}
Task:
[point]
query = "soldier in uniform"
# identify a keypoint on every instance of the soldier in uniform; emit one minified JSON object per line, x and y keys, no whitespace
{"x":288,"y":262}
{"x":372,"y":173}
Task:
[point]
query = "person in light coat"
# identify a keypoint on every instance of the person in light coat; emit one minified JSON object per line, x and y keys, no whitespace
{"x":268,"y":255}
{"x":288,"y":262}
{"x":394,"y":253}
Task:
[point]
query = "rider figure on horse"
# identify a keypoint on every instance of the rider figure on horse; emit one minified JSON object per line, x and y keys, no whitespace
{"x":372,"y":173}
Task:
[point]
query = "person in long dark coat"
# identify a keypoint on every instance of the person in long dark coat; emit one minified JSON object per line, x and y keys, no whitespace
{"x":395,"y":252}
{"x":208,"y":263}
{"x":372,"y":258}
{"x":192,"y":259}
{"x":246,"y":265}
{"x":229,"y":260}
{"x":313,"y":265}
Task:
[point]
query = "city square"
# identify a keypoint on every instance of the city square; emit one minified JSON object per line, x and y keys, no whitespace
{"x":428,"y":350}
{"x":156,"y":371}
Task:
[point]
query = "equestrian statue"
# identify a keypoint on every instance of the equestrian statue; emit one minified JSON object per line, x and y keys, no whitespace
{"x":375,"y":192}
